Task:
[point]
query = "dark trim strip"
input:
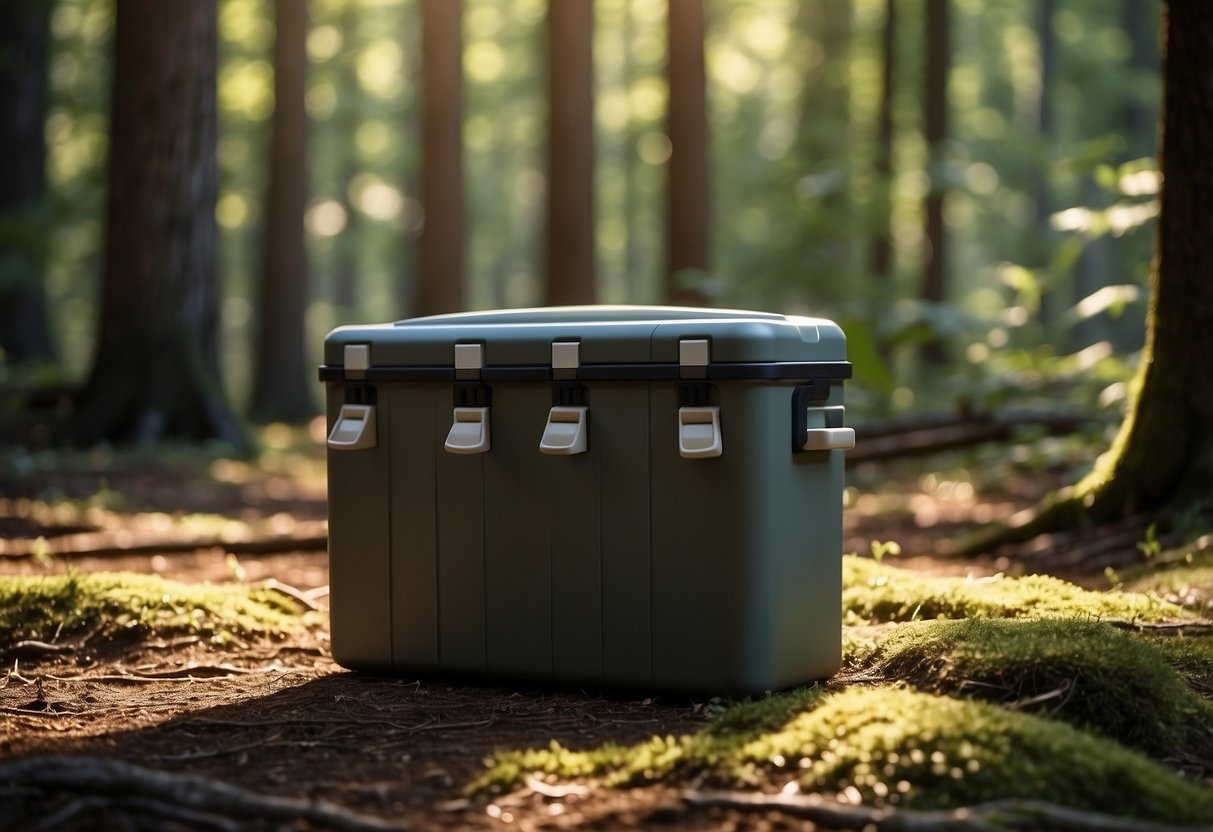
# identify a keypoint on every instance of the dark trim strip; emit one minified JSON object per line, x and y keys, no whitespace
{"x":735,"y":371}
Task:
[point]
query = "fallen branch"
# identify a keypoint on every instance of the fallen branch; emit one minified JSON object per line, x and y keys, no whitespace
{"x":891,"y":441}
{"x":113,"y":783}
{"x":102,"y":544}
{"x":996,"y":816}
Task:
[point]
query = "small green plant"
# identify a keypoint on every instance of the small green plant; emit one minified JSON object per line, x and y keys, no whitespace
{"x":1151,"y":546}
{"x":880,"y":549}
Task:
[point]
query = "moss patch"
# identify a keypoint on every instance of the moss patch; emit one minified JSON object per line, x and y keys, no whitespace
{"x":889,"y":745}
{"x":108,"y":605}
{"x":1083,"y":672}
{"x":875,"y":593}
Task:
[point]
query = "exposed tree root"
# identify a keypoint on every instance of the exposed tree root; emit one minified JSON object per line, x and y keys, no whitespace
{"x":111,"y":784}
{"x":997,"y":816}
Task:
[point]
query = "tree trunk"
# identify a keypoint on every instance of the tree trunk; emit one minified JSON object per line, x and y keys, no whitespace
{"x":24,"y":40}
{"x":1163,"y":455}
{"x":349,"y":119}
{"x":687,"y":197}
{"x":280,"y":379}
{"x":570,"y":205}
{"x":440,"y":264}
{"x":156,"y":370}
{"x":882,"y":237}
{"x":1042,"y":202}
{"x":935,"y":128}
{"x":1161,"y":461}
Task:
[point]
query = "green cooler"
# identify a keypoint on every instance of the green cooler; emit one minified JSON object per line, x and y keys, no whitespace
{"x":637,"y":496}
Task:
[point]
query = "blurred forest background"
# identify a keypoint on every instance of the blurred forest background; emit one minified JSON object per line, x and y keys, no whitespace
{"x":968,"y":187}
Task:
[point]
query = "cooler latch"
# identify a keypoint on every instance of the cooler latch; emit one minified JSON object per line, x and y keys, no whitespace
{"x":566,"y":432}
{"x":469,"y":432}
{"x":354,"y":429}
{"x":698,"y":420}
{"x":470,"y":419}
{"x":699,"y":432}
{"x":815,"y":426}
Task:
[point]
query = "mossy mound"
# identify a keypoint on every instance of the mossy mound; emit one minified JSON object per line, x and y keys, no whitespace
{"x":890,"y":746}
{"x":1192,"y":657}
{"x":1185,"y":578}
{"x":1083,"y":672}
{"x":874,"y":592}
{"x":109,"y":605}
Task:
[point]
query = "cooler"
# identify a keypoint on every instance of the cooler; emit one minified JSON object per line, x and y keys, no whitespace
{"x":638,"y":496}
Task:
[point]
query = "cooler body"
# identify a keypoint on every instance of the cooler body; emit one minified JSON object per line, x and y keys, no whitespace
{"x":618,"y":495}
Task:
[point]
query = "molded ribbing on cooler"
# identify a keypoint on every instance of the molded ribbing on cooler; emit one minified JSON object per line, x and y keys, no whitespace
{"x":414,"y":523}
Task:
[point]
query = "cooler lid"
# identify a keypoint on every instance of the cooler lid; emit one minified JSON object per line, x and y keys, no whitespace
{"x":613,"y":342}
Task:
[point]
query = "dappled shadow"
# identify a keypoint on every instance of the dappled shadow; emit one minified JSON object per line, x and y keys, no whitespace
{"x":399,"y":747}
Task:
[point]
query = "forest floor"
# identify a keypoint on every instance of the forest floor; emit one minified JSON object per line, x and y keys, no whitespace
{"x":269,"y":712}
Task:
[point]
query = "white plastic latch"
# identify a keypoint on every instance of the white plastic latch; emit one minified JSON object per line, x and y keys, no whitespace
{"x":699,"y":432}
{"x":469,"y":431}
{"x":566,"y":355}
{"x":469,"y":356}
{"x":829,"y":439}
{"x":354,"y":429}
{"x":565,"y":433}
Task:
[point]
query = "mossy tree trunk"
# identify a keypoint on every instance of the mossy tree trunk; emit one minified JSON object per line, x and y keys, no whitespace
{"x":156,"y":370}
{"x":1164,"y":452}
{"x":1161,"y":462}
{"x":280,"y":378}
{"x":24,"y":42}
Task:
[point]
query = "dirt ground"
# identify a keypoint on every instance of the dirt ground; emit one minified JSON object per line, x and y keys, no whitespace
{"x":280,"y":718}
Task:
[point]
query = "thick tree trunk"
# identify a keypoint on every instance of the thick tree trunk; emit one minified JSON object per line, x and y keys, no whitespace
{"x":935,"y":128}
{"x":440,"y":262}
{"x":156,"y":370}
{"x":280,"y":379}
{"x":1163,"y":455}
{"x":688,"y":199}
{"x":570,"y":206}
{"x":1161,"y":462}
{"x":24,"y":40}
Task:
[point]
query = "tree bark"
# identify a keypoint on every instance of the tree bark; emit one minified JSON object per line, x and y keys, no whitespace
{"x":1161,"y":461}
{"x":24,"y":41}
{"x":882,"y":237}
{"x":280,"y":378}
{"x":156,"y":370}
{"x":688,"y":200}
{"x":1164,"y":452}
{"x":935,"y":129}
{"x":570,"y":204}
{"x":440,"y":264}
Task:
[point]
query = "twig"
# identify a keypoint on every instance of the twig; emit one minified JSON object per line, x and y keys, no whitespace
{"x":117,"y":781}
{"x":294,"y":593}
{"x":995,"y":816}
{"x":1174,"y":626}
{"x":558,"y":792}
{"x":98,"y":544}
{"x":183,"y":674}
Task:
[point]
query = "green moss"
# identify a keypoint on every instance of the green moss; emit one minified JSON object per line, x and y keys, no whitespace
{"x":873,"y":592}
{"x":1083,"y":672}
{"x":1185,"y":579}
{"x":1192,"y":657}
{"x":109,"y":604}
{"x":891,"y":745}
